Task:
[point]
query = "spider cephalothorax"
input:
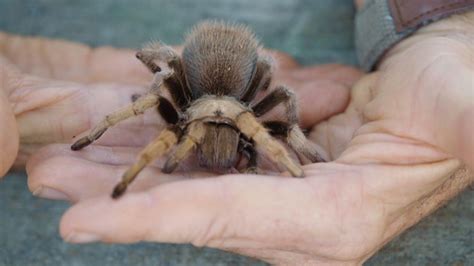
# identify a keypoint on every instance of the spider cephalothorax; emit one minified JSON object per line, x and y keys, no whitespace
{"x":212,"y":85}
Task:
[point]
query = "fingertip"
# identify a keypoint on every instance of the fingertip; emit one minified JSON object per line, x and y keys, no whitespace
{"x":42,"y":176}
{"x":78,"y":218}
{"x":123,"y":220}
{"x":68,"y":226}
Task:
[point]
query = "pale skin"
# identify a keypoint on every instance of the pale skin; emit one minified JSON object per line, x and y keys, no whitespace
{"x":396,"y":149}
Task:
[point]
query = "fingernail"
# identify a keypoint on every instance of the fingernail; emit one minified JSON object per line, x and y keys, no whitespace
{"x":77,"y":237}
{"x":49,"y":193}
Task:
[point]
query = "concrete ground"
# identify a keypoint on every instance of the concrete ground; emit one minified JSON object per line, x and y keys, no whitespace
{"x":313,"y":31}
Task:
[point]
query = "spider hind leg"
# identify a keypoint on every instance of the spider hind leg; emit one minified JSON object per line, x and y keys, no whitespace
{"x":291,"y":132}
{"x":248,"y":125}
{"x":294,"y":136}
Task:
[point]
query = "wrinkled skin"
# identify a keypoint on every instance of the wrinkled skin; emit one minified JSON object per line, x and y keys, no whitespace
{"x":393,"y":147}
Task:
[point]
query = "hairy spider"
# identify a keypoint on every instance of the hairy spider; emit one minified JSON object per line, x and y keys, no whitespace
{"x":212,"y":86}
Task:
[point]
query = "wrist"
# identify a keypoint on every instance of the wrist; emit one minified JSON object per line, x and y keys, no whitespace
{"x":458,"y":28}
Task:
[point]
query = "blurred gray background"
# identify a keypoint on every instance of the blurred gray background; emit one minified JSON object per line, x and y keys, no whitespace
{"x":313,"y":31}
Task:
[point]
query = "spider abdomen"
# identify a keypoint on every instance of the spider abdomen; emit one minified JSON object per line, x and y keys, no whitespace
{"x":219,"y":59}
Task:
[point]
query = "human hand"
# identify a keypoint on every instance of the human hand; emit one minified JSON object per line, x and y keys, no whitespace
{"x":392,"y":166}
{"x":49,"y":90}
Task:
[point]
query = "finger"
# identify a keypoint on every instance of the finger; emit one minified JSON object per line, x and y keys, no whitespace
{"x":223,"y":212}
{"x":59,"y":59}
{"x":9,"y":139}
{"x":75,"y":179}
{"x":344,"y":74}
{"x":334,"y":135}
{"x":317,"y":100}
{"x":119,"y":136}
{"x":78,"y":175}
{"x":53,"y":111}
{"x":58,"y":173}
{"x":106,"y":155}
{"x":320,"y":100}
{"x":322,"y":91}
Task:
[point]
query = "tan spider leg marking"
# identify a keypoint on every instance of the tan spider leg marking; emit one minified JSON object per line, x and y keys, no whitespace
{"x":193,"y":137}
{"x":134,"y":109}
{"x":159,"y":146}
{"x":248,"y":125}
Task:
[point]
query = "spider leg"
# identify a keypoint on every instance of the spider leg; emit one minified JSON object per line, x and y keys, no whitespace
{"x":261,"y":79}
{"x":280,"y":94}
{"x":159,"y":146}
{"x":156,"y":57}
{"x":168,"y":112}
{"x":293,"y":134}
{"x":193,"y":137}
{"x":246,"y":147}
{"x":295,"y":139}
{"x":248,"y":125}
{"x":136,"y":108}
{"x":165,"y":108}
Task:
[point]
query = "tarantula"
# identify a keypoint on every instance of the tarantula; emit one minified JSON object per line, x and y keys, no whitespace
{"x":212,"y":86}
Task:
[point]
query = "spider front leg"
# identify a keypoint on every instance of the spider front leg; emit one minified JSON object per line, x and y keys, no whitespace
{"x":138,"y":107}
{"x":248,"y":125}
{"x":157,"y":57}
{"x":294,"y":136}
{"x":162,"y":144}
